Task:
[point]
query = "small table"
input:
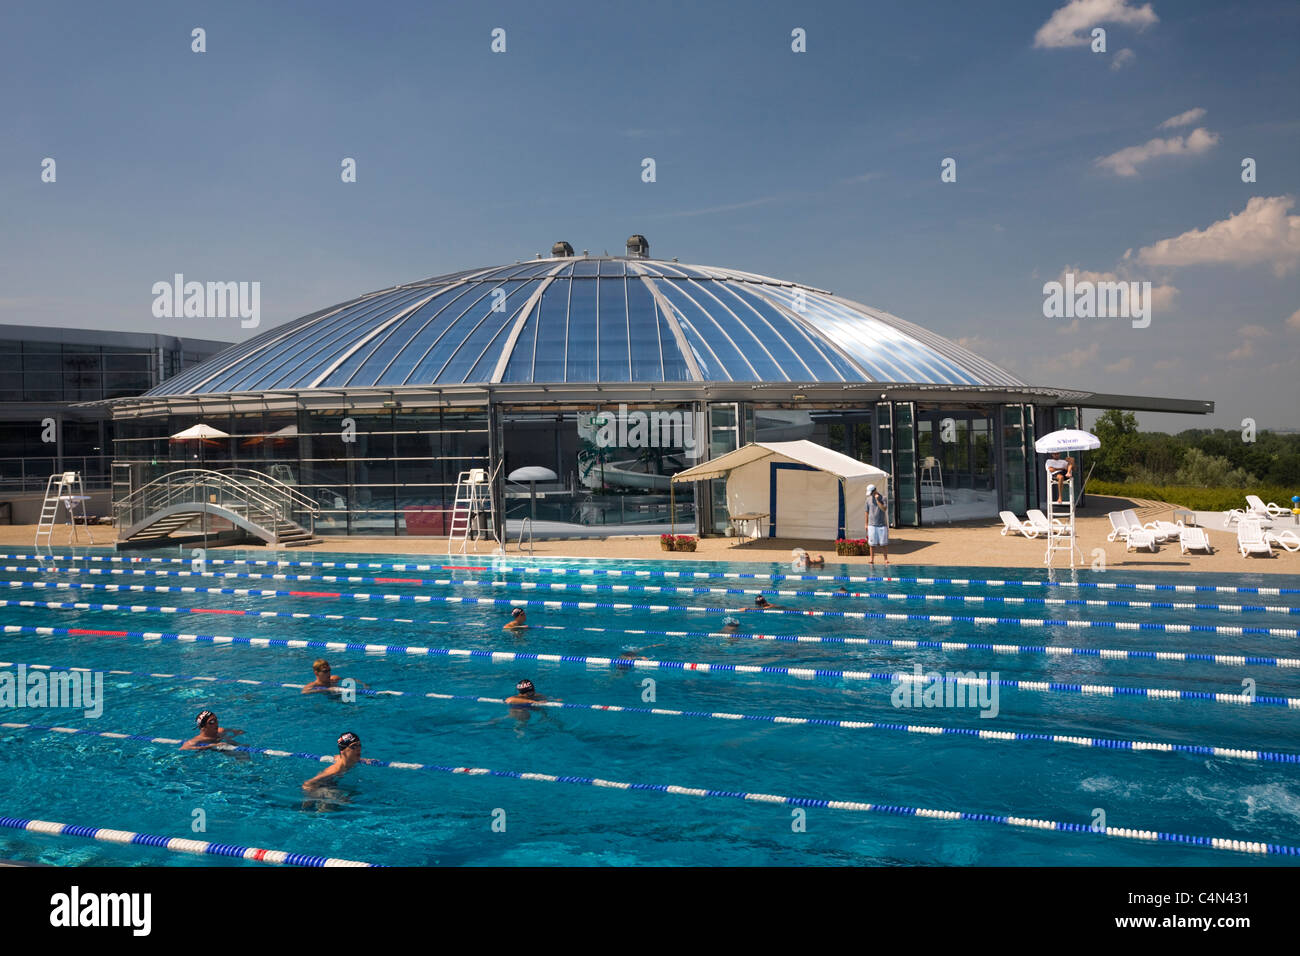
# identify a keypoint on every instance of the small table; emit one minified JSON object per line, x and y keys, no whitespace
{"x":1189,"y":517}
{"x":740,"y":522}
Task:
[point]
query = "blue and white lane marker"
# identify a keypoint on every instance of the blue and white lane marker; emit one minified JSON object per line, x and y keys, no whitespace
{"x":668,"y":589}
{"x":783,"y":592}
{"x":491,"y":564}
{"x":929,"y":730}
{"x":1233,"y":660}
{"x":1290,"y":632}
{"x":174,"y":844}
{"x":1154,"y":693}
{"x":1151,"y":836}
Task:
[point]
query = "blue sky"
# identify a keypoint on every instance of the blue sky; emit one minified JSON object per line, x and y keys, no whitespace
{"x":820,"y":167}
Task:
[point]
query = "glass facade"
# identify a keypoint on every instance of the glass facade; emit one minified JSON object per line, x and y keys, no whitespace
{"x":377,"y":471}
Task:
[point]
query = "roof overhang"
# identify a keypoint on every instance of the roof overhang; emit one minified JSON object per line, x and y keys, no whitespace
{"x":856,"y":393}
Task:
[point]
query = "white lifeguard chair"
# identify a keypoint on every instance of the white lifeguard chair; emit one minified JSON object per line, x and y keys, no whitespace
{"x":932,"y":482}
{"x":473,"y":514}
{"x":1061,"y":531}
{"x":64,"y":490}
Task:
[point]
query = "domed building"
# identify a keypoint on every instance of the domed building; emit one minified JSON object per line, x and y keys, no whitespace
{"x":612,"y":372}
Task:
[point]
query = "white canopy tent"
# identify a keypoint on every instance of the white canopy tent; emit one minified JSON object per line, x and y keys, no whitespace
{"x":805,"y":490}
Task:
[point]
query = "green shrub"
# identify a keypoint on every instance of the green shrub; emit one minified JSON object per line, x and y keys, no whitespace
{"x":1195,"y":498}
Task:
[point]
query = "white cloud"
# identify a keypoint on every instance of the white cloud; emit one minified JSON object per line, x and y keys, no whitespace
{"x":1243,"y":351}
{"x":1183,"y":119}
{"x":1125,"y":161}
{"x":1122,"y":59}
{"x":1123,"y":365}
{"x":1065,"y":365}
{"x":1260,"y":233}
{"x":1253,"y":331}
{"x":1294,"y":321}
{"x":1070,"y":25}
{"x":1162,"y":296}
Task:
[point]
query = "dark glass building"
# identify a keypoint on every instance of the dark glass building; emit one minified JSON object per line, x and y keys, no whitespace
{"x":49,"y":376}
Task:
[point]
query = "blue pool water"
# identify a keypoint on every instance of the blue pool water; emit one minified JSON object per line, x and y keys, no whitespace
{"x":413,"y":817}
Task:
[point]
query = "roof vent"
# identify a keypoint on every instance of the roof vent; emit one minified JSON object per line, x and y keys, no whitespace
{"x":562,"y":249}
{"x":638,"y":247}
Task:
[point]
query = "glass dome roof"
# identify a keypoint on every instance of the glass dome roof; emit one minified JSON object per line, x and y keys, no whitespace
{"x":589,"y":320}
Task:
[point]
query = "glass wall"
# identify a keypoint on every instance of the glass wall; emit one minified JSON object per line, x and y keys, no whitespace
{"x":1018,"y":492}
{"x":371,"y":471}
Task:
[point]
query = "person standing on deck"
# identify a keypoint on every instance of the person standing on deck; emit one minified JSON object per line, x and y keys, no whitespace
{"x":877,"y":524}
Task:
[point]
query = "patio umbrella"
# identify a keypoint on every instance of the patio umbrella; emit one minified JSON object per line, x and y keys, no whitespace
{"x":201,"y":433}
{"x":1066,"y":439}
{"x":532,"y":474}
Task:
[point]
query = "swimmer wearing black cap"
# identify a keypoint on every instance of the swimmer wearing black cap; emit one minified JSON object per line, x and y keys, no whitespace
{"x":349,"y":756}
{"x":210,"y":732}
{"x":525,"y":694}
{"x":518,"y":620}
{"x":763,"y":604}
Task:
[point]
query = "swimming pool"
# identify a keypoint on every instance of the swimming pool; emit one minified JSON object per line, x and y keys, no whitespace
{"x":1072,"y":705}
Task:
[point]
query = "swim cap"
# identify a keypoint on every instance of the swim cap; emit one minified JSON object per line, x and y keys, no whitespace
{"x":347,"y":740}
{"x":203,"y":718}
{"x":516,"y":611}
{"x":730,"y":622}
{"x":524,"y":687}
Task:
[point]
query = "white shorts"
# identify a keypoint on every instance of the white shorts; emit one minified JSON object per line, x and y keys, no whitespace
{"x":877,"y":536}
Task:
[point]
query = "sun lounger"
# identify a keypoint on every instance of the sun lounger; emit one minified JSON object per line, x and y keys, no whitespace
{"x":1133,"y":537}
{"x":1013,"y":525}
{"x":1251,"y":540}
{"x":1286,"y":540}
{"x":1194,"y":539}
{"x":1256,"y":506}
{"x":1036,"y":524}
{"x":1154,"y":527}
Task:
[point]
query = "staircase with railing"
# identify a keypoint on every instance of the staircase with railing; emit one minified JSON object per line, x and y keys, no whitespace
{"x":252,"y":502}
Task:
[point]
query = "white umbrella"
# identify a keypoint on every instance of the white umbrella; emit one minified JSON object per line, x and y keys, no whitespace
{"x":199,"y":431}
{"x":1067,"y":439}
{"x":532,"y":474}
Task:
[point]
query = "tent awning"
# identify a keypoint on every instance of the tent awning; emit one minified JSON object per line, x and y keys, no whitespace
{"x":805,"y":452}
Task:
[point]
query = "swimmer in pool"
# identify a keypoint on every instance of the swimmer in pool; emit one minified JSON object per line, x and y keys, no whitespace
{"x":210,"y":733}
{"x":518,"y":620}
{"x":525,"y":695}
{"x":349,"y":756}
{"x":763,"y":604}
{"x":730,"y":625}
{"x":324,"y":679}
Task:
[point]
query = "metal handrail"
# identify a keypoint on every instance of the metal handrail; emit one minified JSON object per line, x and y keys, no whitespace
{"x":527,"y":523}
{"x":193,"y":485}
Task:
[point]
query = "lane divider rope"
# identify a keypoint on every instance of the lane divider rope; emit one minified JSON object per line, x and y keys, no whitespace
{"x":501,"y":566}
{"x":1153,"y":693}
{"x":1233,"y":660}
{"x":786,"y":592}
{"x":1108,"y":743}
{"x":174,"y":844}
{"x":1149,"y":836}
{"x":1290,"y":632}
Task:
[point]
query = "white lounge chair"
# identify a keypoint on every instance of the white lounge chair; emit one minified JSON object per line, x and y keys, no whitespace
{"x":1121,"y":529}
{"x":1036,"y":524}
{"x":1251,"y":540}
{"x":1013,"y":525}
{"x":1135,"y":523}
{"x":1286,"y":540}
{"x":1257,"y":507}
{"x":1194,"y":539}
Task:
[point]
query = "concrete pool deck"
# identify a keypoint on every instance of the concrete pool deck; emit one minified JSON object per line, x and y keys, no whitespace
{"x":971,"y":544}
